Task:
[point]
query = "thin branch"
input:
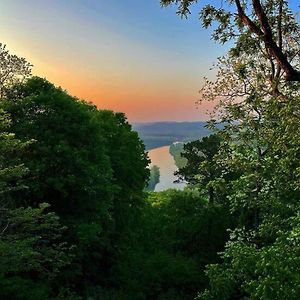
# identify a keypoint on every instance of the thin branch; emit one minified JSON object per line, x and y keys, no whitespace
{"x":265,"y":33}
{"x":5,"y":228}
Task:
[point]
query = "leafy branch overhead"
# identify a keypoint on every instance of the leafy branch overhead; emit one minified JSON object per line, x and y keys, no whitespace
{"x":13,"y":69}
{"x":267,"y":21}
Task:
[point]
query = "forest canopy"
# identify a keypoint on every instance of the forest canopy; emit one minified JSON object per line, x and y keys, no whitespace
{"x":77,"y":219}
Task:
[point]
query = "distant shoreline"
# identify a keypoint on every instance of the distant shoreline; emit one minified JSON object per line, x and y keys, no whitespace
{"x":159,"y":134}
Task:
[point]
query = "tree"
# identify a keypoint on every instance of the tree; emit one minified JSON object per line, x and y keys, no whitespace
{"x":251,"y":272}
{"x":259,"y":142}
{"x":67,"y":159}
{"x":68,"y":168}
{"x":32,"y":252}
{"x":12,"y":169}
{"x":259,"y":109}
{"x":13,"y":69}
{"x":201,"y":168}
{"x":88,"y":164}
{"x":269,"y":22}
{"x":176,"y":235}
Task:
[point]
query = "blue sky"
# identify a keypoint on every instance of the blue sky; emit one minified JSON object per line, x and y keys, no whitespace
{"x":126,"y":55}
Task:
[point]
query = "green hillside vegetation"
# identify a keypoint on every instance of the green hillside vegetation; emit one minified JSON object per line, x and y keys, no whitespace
{"x":153,"y":178}
{"x":179,"y":233}
{"x":76,"y":222}
{"x":90,"y":169}
{"x":176,"y":150}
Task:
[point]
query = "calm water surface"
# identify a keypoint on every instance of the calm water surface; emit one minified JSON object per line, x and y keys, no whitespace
{"x":162,"y":158}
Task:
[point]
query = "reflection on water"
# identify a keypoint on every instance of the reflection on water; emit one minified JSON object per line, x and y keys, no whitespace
{"x":164,"y":160}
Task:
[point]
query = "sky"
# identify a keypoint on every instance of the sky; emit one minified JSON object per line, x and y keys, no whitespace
{"x":126,"y":55}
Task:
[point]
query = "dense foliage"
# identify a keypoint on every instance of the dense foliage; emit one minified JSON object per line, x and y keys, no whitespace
{"x":176,"y":150}
{"x":31,"y":247}
{"x":258,"y":156}
{"x":110,"y":240}
{"x":177,"y":235}
{"x":77,"y":223}
{"x":201,"y":168}
{"x":87,"y":164}
{"x":266,"y":21}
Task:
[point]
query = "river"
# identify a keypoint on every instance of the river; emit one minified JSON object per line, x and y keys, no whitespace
{"x":162,"y":158}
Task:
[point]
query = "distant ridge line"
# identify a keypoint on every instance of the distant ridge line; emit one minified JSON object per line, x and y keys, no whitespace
{"x":158,"y":134}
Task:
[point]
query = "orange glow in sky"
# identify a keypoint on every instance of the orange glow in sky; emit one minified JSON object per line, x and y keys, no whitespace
{"x":135,"y":58}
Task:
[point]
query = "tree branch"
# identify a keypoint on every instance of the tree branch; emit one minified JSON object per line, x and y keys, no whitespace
{"x":264,"y":31}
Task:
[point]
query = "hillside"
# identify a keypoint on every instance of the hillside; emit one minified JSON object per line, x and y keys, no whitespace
{"x":160,"y":134}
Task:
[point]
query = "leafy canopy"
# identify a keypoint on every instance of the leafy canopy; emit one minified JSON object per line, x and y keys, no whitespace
{"x":269,"y":22}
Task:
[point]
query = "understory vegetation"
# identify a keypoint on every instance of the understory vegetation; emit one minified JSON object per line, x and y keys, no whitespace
{"x":76,"y":221}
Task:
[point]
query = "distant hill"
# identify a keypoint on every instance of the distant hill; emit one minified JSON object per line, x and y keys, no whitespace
{"x":160,"y":134}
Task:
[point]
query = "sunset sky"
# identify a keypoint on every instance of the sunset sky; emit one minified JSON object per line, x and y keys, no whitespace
{"x":125,"y":55}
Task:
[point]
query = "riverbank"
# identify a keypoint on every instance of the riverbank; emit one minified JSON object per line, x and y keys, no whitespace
{"x":162,"y":158}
